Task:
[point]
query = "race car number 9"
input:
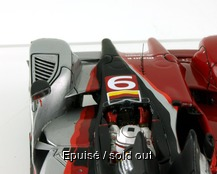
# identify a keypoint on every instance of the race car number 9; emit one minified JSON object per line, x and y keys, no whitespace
{"x":121,"y":82}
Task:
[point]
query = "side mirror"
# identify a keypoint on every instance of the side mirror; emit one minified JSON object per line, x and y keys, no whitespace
{"x":39,"y":89}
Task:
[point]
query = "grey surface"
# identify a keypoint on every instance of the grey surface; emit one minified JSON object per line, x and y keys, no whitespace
{"x":88,"y":55}
{"x":59,"y":131}
{"x":84,"y":77}
{"x":52,"y":165}
{"x":82,"y":80}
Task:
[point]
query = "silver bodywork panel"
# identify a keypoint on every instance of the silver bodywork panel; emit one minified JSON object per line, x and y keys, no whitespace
{"x":82,"y":80}
{"x":54,"y":164}
{"x":95,"y":55}
{"x":58,"y":133}
{"x":60,"y":130}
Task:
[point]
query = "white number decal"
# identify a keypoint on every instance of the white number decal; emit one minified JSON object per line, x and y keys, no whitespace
{"x":126,"y":84}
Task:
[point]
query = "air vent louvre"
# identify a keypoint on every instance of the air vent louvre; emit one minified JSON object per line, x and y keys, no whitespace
{"x":44,"y":66}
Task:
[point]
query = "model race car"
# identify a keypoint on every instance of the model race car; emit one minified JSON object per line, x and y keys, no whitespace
{"x":147,"y":113}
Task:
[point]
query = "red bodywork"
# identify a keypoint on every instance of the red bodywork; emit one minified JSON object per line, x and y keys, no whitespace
{"x":177,"y":74}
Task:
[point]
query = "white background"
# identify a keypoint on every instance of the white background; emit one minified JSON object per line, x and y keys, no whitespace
{"x":74,"y":21}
